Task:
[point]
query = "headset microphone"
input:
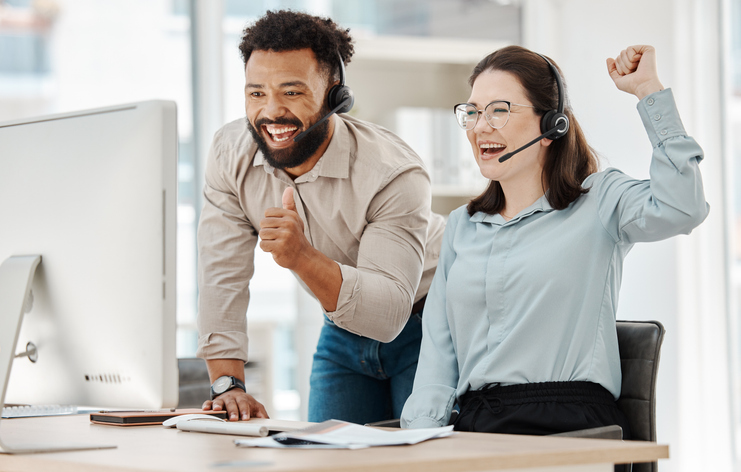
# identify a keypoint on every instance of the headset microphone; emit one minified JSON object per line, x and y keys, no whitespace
{"x":340,"y":100}
{"x":554,"y":123}
{"x":547,"y":134}
{"x":322,"y":120}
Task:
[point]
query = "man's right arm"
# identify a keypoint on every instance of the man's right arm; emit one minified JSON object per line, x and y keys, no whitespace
{"x":226,"y":244}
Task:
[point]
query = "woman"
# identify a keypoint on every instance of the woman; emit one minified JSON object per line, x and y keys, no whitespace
{"x":519,"y":324}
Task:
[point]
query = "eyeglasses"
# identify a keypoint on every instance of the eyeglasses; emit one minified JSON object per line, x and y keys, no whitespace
{"x":496,"y":114}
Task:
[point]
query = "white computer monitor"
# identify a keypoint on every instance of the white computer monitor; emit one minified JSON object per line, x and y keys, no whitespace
{"x":95,"y":194}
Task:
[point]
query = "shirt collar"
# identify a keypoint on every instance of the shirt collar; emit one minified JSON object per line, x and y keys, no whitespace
{"x":540,"y":204}
{"x":334,"y":163}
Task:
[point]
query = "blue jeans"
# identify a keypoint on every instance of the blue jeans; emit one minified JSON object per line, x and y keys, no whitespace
{"x":361,"y":380}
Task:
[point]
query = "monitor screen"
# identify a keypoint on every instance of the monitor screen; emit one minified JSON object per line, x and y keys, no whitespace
{"x":94,"y":193}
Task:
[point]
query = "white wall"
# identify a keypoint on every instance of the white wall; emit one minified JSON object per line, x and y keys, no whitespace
{"x":680,"y":282}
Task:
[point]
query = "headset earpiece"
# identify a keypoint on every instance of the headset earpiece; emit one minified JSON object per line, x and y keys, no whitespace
{"x":340,"y":93}
{"x":555,"y":119}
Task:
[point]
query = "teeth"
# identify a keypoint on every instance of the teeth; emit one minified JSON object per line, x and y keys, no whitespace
{"x":281,"y":130}
{"x":274,"y":131}
{"x":492,"y":146}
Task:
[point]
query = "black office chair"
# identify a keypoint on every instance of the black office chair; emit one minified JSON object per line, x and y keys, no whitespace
{"x":640,"y":347}
{"x":195,"y":387}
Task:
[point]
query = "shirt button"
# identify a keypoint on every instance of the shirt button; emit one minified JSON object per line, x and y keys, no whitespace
{"x":650,"y":101}
{"x":663,"y":132}
{"x":657,"y":117}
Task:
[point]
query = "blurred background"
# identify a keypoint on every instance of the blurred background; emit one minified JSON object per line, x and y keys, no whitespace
{"x":412,"y":61}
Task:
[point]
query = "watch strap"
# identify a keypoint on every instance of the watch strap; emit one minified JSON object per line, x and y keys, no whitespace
{"x":235,"y":383}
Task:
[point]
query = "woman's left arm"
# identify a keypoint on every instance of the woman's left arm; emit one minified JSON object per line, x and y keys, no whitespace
{"x":673,"y":201}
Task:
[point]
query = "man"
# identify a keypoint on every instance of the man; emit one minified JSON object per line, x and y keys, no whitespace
{"x":346,"y":207}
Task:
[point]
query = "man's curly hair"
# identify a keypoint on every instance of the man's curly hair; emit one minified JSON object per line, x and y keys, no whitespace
{"x":287,"y":30}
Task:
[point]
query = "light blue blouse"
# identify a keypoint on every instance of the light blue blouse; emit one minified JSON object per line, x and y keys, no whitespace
{"x":533,"y":299}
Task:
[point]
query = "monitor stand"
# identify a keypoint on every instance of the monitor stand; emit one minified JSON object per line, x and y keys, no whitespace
{"x":16,"y":275}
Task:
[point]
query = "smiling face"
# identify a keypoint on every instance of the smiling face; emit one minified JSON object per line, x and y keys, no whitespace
{"x":488,"y":144}
{"x":285,"y":93}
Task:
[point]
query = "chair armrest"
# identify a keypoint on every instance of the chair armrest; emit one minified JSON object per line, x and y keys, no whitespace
{"x":396,"y":423}
{"x":604,"y":432}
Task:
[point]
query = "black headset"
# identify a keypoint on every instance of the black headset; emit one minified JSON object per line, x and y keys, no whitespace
{"x":554,"y":123}
{"x":341,"y":93}
{"x":555,"y":119}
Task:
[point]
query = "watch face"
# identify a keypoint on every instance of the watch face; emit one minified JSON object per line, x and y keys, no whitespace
{"x":222,"y":384}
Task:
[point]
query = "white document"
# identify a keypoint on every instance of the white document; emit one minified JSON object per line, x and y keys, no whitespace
{"x":339,"y":434}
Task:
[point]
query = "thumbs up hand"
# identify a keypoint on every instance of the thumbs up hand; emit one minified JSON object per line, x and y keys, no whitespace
{"x":282,"y":234}
{"x":288,"y":201}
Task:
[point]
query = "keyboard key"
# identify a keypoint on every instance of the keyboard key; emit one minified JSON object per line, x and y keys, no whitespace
{"x":25,"y":411}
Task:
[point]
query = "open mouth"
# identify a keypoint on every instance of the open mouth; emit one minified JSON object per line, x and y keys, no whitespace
{"x":280,"y":134}
{"x":490,"y":150}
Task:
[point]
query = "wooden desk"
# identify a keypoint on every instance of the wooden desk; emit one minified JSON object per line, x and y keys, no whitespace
{"x":154,"y":448}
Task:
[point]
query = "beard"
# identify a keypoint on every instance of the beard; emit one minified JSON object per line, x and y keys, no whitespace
{"x":301,"y":151}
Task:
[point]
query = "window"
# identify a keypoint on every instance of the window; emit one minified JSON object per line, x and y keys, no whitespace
{"x":24,"y":37}
{"x":733,"y":153}
{"x":63,"y":55}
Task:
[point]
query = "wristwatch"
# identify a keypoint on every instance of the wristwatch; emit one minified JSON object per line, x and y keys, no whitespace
{"x":224,"y":384}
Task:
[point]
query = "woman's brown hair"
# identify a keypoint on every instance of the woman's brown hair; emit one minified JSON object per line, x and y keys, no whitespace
{"x":569,"y":160}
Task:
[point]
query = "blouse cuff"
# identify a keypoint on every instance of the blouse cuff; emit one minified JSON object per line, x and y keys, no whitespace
{"x":660,"y":116}
{"x":424,"y":422}
{"x":428,"y":406}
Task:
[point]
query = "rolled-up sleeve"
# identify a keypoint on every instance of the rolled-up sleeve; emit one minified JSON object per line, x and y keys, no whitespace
{"x":434,"y":391}
{"x":226,"y":245}
{"x":673,"y":200}
{"x":376,"y":296}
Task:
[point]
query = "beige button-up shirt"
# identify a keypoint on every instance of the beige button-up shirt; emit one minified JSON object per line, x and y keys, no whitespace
{"x":365,"y":204}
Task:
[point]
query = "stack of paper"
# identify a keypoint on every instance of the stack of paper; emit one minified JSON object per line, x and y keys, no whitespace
{"x":334,"y":434}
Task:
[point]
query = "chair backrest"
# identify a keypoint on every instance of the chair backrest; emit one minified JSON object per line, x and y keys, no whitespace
{"x":640,"y":348}
{"x":195,"y":387}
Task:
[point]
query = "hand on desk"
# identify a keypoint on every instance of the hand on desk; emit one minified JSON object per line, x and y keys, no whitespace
{"x":237,"y":403}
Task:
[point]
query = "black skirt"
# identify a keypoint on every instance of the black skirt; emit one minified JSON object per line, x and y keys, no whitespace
{"x":539,"y":409}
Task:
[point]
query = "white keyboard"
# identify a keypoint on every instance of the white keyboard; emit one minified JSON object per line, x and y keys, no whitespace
{"x":23,"y":411}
